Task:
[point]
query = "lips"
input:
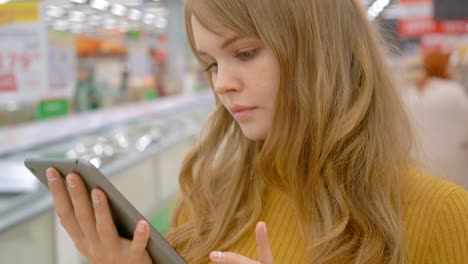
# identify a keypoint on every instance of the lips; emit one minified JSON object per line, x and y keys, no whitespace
{"x":240,"y":108}
{"x":242,"y":113}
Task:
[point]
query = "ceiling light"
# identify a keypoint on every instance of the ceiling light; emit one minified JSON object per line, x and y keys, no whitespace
{"x":128,"y":2}
{"x":79,"y":1}
{"x":55,"y":11}
{"x":159,"y":11}
{"x":100,"y":4}
{"x":134,"y":14}
{"x":149,"y":18}
{"x":376,"y":8}
{"x":118,"y":10}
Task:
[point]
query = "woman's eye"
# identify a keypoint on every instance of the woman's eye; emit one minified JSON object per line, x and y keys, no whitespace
{"x":246,"y":55}
{"x":212,"y":68}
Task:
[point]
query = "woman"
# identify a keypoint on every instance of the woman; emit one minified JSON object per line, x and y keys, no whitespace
{"x":309,"y":137}
{"x":438,"y":107}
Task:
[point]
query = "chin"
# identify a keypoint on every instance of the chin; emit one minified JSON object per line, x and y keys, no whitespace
{"x":254,"y":135}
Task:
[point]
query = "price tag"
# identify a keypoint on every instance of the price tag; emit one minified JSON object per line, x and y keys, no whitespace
{"x":23,"y":52}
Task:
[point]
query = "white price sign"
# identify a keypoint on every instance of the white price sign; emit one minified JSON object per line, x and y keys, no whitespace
{"x":23,"y":52}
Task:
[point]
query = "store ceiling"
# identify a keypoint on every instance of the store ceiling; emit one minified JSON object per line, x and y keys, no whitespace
{"x":91,"y":16}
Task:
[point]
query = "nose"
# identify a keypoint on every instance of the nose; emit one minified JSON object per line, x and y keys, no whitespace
{"x":226,"y":80}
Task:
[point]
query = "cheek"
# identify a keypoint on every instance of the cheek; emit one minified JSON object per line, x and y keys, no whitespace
{"x":267,"y":84}
{"x":271,"y":75}
{"x":270,"y":90}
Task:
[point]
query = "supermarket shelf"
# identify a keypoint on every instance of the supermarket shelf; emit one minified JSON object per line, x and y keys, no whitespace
{"x":29,"y":136}
{"x":16,"y":209}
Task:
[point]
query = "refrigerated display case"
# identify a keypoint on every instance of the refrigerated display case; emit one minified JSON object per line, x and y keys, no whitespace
{"x":139,"y":147}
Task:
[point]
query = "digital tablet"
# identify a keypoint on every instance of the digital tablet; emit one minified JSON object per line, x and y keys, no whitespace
{"x":125,"y":215}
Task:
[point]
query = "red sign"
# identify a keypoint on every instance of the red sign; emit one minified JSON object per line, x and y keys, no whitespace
{"x":452,"y":26}
{"x":8,"y":83}
{"x":417,"y":27}
{"x":414,"y":28}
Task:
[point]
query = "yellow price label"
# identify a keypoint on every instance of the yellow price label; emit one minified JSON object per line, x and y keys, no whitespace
{"x":18,"y":12}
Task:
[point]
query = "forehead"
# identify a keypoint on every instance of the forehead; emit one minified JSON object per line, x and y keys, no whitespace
{"x":212,"y":34}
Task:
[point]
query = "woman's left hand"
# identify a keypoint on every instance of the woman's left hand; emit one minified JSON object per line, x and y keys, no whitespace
{"x":263,"y":248}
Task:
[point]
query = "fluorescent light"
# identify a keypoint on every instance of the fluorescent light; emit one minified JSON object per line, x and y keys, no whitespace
{"x":149,"y":18}
{"x":79,"y":1}
{"x":4,"y":1}
{"x":55,"y":11}
{"x":376,"y":8}
{"x":159,"y":11}
{"x":134,"y":14}
{"x":100,"y":4}
{"x":129,"y":2}
{"x":118,"y":9}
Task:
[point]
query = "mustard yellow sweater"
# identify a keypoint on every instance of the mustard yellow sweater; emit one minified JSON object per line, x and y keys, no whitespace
{"x":435,"y":214}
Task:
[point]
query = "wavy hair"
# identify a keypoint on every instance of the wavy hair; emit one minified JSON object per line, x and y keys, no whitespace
{"x":339,"y":142}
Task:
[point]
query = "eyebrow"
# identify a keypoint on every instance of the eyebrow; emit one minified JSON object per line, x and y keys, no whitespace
{"x":226,"y":43}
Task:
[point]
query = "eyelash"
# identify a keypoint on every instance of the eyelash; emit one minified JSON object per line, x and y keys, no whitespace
{"x":244,"y":56}
{"x":250,"y":54}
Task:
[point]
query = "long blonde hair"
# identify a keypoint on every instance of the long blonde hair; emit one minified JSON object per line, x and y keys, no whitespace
{"x":338,"y":144}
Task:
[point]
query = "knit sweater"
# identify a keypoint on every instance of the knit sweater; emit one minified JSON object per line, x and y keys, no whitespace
{"x":435,"y":218}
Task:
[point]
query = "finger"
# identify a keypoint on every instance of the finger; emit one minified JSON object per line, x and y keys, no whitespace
{"x":265,"y":256}
{"x":139,"y":242}
{"x":105,"y":226}
{"x":64,"y":207}
{"x":83,"y":210}
{"x":219,"y":257}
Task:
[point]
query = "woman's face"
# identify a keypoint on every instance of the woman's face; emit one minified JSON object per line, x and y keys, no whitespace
{"x":245,"y":76}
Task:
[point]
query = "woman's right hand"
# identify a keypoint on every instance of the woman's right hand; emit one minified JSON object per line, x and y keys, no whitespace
{"x":89,"y":223}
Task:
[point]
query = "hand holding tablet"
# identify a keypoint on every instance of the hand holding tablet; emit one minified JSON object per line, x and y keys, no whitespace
{"x":104,"y":226}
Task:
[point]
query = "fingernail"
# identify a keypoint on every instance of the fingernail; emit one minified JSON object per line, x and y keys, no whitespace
{"x":71,"y":182}
{"x":216,"y":255}
{"x":141,"y":227}
{"x":261,"y":226}
{"x":96,"y":197}
{"x":51,"y":176}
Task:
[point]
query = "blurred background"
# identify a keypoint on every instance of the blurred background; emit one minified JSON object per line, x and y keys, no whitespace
{"x":114,"y":82}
